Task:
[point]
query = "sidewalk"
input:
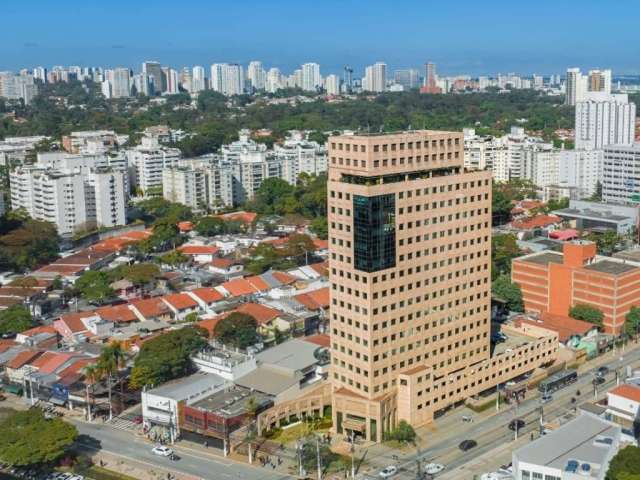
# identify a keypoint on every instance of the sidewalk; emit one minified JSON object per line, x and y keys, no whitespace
{"x":136,"y":468}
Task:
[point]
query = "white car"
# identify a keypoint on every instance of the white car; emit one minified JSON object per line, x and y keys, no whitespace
{"x":162,"y":451}
{"x":433,"y":468}
{"x":388,"y":472}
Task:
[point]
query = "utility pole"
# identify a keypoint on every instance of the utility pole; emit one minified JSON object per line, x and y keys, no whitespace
{"x":318,"y":458}
{"x":353,"y":454}
{"x":498,"y":398}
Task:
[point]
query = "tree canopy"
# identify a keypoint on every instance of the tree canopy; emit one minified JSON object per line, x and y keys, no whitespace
{"x":510,"y":292}
{"x":28,"y":438}
{"x":625,"y":465}
{"x":15,"y":319}
{"x":167,"y":356}
{"x":504,"y":248}
{"x":587,"y":313}
{"x":93,"y":285}
{"x":403,"y":433}
{"x":237,"y":330}
{"x":632,"y":321}
{"x":26,"y":243}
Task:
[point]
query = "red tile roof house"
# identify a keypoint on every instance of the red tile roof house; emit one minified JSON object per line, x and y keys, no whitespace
{"x":206,"y":297}
{"x":82,"y":326}
{"x":181,"y":305}
{"x":19,"y":365}
{"x":267,"y":318}
{"x":200,"y":253}
{"x":623,"y":404}
{"x":45,"y":336}
{"x":225,"y":266}
{"x":151,"y":309}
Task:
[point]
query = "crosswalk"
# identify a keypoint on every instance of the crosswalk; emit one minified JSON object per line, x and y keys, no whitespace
{"x":124,"y":422}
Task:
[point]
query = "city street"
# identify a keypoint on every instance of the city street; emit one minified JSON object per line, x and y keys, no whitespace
{"x":490,"y":430}
{"x":198,"y":464}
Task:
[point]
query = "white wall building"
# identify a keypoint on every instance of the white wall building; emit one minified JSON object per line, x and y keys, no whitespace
{"x":582,"y":169}
{"x":332,"y":84}
{"x":186,"y":186}
{"x":311,"y":78}
{"x":120,"y":83}
{"x":375,"y":78}
{"x":148,"y":160}
{"x":71,"y":198}
{"x":198,"y":80}
{"x":256,"y":75}
{"x":604,"y":119}
{"x":621,"y":174}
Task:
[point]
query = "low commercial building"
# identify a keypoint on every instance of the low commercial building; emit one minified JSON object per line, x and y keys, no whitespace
{"x":585,"y":215}
{"x":285,"y":370}
{"x":554,"y":282}
{"x":580,"y":449}
{"x":160,"y":405}
{"x":623,"y":407}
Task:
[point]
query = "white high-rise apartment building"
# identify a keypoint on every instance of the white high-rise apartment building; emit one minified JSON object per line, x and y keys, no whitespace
{"x":604,"y":119}
{"x":233,"y":176}
{"x":72,"y":199}
{"x":256,"y":75}
{"x":148,"y":160}
{"x":227,"y":78}
{"x":274,"y":81}
{"x":621,"y":174}
{"x":311,"y":78}
{"x":198,"y":81}
{"x":582,"y":169}
{"x":120,"y":83}
{"x":332,"y":84}
{"x":217,"y":75}
{"x":186,"y":186}
{"x":408,"y":78}
{"x":40,"y":73}
{"x":575,"y":86}
{"x":173,"y":81}
{"x":375,"y":78}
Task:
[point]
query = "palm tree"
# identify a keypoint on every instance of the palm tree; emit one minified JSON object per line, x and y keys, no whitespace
{"x":93,"y":374}
{"x":112,"y":358}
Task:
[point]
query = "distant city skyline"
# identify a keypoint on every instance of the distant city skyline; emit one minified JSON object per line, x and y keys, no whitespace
{"x":470,"y":38}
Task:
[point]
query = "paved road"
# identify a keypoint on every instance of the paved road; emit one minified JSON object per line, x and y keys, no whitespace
{"x":492,"y":431}
{"x":200,"y":465}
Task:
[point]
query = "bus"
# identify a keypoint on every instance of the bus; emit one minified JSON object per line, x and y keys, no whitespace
{"x":557,"y":381}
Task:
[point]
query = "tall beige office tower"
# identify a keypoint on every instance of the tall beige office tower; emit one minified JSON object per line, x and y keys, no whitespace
{"x":410,"y":270}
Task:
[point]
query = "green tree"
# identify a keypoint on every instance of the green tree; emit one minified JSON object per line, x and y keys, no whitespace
{"x":309,"y":456}
{"x":94,"y":286}
{"x":30,"y":439}
{"x":320,"y":227}
{"x":504,"y":248}
{"x":300,"y":246}
{"x":403,"y":433}
{"x":607,"y":242}
{"x":210,"y":226}
{"x":174,"y":258}
{"x":500,"y":207}
{"x":15,"y":319}
{"x":632,"y":322}
{"x":553,"y":205}
{"x":138,"y":273}
{"x":167,"y":356}
{"x":26,"y":243}
{"x":503,"y":288}
{"x":587,"y":313}
{"x":237,"y":330}
{"x":111,"y":360}
{"x":272,"y":196}
{"x":625,"y":464}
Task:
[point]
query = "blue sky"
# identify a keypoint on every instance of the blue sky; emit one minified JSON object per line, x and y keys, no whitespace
{"x":461,"y":36}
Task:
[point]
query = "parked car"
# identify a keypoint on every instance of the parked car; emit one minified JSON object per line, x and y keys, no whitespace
{"x":602,"y":371}
{"x":433,"y":468}
{"x":516,"y":423}
{"x":388,"y":472}
{"x":162,"y":451}
{"x":467,"y":445}
{"x":467,"y":418}
{"x":546,"y":398}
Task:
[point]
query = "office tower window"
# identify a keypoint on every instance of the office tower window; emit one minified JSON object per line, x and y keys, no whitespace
{"x":374,"y":232}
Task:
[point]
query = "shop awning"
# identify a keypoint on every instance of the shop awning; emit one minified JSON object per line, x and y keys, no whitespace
{"x":352,"y":424}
